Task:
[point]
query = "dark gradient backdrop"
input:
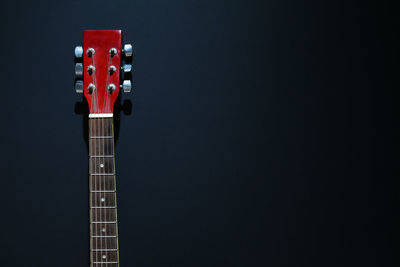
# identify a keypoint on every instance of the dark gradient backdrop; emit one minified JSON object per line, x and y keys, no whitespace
{"x":261,"y":134}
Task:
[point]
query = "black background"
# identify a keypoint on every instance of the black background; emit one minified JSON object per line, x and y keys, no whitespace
{"x":261,"y":134}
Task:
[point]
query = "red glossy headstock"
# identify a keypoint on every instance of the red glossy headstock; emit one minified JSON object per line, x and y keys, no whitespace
{"x":101,"y":56}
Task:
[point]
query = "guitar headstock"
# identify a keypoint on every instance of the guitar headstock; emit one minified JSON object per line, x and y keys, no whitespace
{"x":98,"y":63}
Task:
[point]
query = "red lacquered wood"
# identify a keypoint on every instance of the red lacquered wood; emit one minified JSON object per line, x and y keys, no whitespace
{"x":100,"y":100}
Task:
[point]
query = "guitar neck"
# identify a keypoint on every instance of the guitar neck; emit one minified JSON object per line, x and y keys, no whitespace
{"x":102,"y":194}
{"x":97,"y":69}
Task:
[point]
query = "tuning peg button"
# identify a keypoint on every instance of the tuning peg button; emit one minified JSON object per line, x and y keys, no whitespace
{"x":78,"y":51}
{"x":111,"y":88}
{"x":79,"y":87}
{"x":126,"y":86}
{"x":127,"y":50}
{"x":78,"y":70}
{"x":127,"y":68}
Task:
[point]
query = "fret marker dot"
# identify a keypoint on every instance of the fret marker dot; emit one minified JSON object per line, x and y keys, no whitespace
{"x":103,"y":230}
{"x":104,"y":256}
{"x":102,"y":199}
{"x":101,"y":165}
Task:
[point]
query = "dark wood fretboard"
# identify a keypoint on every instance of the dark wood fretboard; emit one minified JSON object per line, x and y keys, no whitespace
{"x":102,"y":194}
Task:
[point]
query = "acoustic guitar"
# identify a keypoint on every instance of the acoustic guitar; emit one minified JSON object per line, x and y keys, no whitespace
{"x":100,"y":75}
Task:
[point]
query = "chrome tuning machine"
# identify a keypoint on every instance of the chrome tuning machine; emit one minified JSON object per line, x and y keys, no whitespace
{"x":127,"y":50}
{"x":126,"y":86}
{"x":78,"y":69}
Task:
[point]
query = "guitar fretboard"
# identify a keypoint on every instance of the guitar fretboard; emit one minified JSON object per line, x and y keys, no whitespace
{"x":102,"y":198}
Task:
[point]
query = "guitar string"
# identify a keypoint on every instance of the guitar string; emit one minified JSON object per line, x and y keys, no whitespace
{"x":94,"y":177}
{"x":107,"y":103}
{"x":112,"y":185}
{"x":94,"y":162}
{"x":94,"y":93}
{"x":101,"y":177}
{"x":101,"y":144}
{"x":105,"y":128}
{"x":105,"y":141}
{"x":91,"y":185}
{"x":108,"y":185}
{"x":105,"y":107}
{"x":110,"y":170}
{"x":106,"y":93}
{"x":98,"y":241}
{"x":104,"y":144}
{"x":112,"y":178}
{"x":98,"y":181}
{"x":105,"y":211}
{"x":92,"y":181}
{"x":111,"y":215}
{"x":112,"y":166}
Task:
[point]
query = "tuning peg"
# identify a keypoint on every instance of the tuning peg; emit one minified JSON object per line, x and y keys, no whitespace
{"x":79,"y":87}
{"x":111,"y":88}
{"x":126,"y":68}
{"x":78,"y":70}
{"x":78,"y":51}
{"x":126,"y":86}
{"x":127,"y":50}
